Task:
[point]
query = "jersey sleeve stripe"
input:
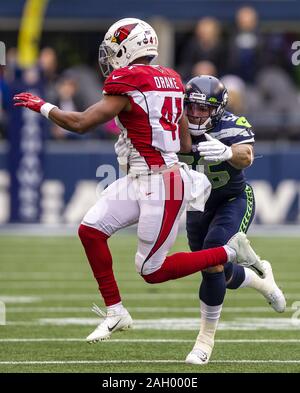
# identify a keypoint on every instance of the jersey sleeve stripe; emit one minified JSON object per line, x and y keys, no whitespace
{"x":245,"y":141}
{"x":232,"y":132}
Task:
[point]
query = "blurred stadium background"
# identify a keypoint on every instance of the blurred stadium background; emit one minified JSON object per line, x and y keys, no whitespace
{"x":48,"y":179}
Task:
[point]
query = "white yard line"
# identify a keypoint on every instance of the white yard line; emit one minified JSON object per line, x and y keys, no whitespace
{"x":19,"y":299}
{"x":141,"y":340}
{"x":87,"y":274}
{"x":128,"y":276}
{"x":242,"y":310}
{"x":88,"y":286}
{"x":141,"y":296}
{"x":42,"y":362}
{"x":174,"y":323}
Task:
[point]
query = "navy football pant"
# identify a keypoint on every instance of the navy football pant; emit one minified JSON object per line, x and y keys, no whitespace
{"x":213,"y":228}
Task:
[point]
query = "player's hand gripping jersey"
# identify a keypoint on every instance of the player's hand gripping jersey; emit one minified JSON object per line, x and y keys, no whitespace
{"x":150,"y":130}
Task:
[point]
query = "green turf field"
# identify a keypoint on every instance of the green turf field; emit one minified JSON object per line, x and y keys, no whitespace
{"x":48,"y":289}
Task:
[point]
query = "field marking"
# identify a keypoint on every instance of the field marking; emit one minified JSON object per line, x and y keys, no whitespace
{"x":174,"y":323}
{"x":122,"y":274}
{"x":67,"y":231}
{"x":41,"y":362}
{"x":87,"y":285}
{"x":146,"y":296}
{"x":87,"y":282}
{"x":19,"y":299}
{"x":83,"y":310}
{"x":154,"y":340}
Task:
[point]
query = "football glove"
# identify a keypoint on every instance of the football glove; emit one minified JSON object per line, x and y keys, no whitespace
{"x":29,"y":101}
{"x":122,"y":150}
{"x":121,"y":147}
{"x":213,"y":150}
{"x":35,"y":103}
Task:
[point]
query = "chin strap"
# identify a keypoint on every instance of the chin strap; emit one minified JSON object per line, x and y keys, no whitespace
{"x":198,"y":130}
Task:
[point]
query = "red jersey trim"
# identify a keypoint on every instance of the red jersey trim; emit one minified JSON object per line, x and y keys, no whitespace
{"x":172,"y":182}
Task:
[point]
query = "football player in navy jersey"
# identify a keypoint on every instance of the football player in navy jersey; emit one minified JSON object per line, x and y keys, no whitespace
{"x":222,"y":146}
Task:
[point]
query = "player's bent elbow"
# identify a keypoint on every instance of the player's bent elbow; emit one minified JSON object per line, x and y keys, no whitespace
{"x":80,"y":125}
{"x":72,"y":126}
{"x":80,"y":129}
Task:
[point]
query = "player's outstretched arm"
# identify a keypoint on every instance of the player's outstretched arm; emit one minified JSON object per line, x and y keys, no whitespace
{"x":79,"y":122}
{"x":240,"y":156}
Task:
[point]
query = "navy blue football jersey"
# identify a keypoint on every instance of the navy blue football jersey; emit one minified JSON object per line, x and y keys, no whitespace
{"x":227,"y":181}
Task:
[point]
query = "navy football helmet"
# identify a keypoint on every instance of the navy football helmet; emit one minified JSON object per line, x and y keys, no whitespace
{"x":205,"y":100}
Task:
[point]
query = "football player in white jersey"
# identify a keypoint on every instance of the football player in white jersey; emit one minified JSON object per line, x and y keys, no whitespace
{"x":147,"y":102}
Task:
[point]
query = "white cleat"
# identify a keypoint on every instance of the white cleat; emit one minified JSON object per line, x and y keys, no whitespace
{"x":270,"y":290}
{"x":198,"y":356}
{"x":112,"y":323}
{"x":245,"y":255}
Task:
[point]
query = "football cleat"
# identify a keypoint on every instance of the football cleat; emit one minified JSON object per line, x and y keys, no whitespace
{"x":270,"y":290}
{"x":112,"y":323}
{"x":198,"y":356}
{"x":245,"y":255}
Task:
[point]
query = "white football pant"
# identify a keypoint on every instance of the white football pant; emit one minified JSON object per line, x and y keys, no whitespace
{"x":155,"y":202}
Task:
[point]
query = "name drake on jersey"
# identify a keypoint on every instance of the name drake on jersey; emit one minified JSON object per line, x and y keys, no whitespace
{"x":156,"y":96}
{"x":164,"y":82}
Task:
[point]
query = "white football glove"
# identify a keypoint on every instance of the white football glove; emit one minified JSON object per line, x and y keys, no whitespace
{"x":213,"y":150}
{"x":121,"y":147}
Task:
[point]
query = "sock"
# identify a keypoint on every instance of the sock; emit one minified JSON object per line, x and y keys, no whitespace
{"x":252,"y":280}
{"x":210,"y":316}
{"x":212,"y":292}
{"x":98,"y":254}
{"x":116,"y":308}
{"x":231,"y":254}
{"x":234,"y":274}
{"x":183,"y":264}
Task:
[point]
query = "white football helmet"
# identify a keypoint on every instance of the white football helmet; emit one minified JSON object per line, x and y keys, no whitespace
{"x":126,"y":40}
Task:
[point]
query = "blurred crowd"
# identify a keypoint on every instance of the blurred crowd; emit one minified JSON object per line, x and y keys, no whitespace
{"x":254,"y":65}
{"x":73,"y":89}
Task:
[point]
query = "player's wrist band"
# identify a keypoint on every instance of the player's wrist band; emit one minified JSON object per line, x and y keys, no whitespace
{"x":46,"y":108}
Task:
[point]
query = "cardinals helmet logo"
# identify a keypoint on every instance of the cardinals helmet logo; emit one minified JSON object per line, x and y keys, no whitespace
{"x":122,"y":33}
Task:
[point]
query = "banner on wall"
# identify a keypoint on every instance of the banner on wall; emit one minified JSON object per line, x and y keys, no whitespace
{"x":67,"y":180}
{"x":25,"y":161}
